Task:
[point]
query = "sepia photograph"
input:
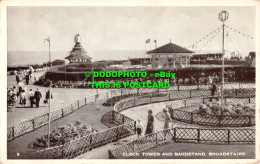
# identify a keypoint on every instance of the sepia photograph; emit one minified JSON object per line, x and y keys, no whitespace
{"x":131,"y":82}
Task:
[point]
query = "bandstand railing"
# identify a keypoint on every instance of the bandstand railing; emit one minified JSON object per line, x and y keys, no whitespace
{"x":211,"y":119}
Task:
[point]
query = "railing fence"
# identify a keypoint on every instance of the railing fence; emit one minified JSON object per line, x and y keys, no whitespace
{"x":191,"y":135}
{"x":127,"y":127}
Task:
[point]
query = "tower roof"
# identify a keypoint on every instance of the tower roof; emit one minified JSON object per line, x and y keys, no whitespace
{"x":78,"y":48}
{"x":170,"y":48}
{"x":78,"y":52}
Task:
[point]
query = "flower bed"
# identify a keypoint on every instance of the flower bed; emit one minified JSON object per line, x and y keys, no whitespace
{"x":229,"y":109}
{"x":62,"y":135}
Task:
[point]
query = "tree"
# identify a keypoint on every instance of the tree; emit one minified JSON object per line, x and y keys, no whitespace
{"x":251,"y":55}
{"x":58,"y":62}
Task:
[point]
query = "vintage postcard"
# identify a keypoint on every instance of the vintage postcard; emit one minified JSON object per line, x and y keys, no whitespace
{"x":162,"y":81}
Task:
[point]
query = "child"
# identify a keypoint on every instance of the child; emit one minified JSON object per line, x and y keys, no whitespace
{"x":139,"y":128}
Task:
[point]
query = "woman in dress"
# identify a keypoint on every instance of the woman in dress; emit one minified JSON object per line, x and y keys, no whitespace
{"x":139,"y":128}
{"x":23,"y":98}
{"x":167,"y":118}
{"x":150,"y":123}
{"x":167,"y":122}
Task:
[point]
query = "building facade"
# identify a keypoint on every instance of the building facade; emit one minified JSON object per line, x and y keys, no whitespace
{"x":170,"y":56}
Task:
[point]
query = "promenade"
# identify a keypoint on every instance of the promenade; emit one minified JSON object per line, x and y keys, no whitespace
{"x":87,"y":114}
{"x":61,"y":97}
{"x":141,"y":112}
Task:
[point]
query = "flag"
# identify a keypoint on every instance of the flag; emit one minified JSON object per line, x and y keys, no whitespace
{"x":47,"y":39}
{"x":147,"y":41}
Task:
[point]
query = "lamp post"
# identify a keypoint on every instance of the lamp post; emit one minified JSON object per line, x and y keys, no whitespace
{"x":223,"y":16}
{"x":97,"y":96}
{"x":49,"y":112}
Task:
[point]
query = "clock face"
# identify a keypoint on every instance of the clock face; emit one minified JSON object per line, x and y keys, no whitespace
{"x":223,"y":16}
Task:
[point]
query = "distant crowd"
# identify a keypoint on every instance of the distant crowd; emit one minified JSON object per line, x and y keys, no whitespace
{"x":20,"y":91}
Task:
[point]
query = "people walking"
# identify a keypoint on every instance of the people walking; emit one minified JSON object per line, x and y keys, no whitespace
{"x":139,"y":128}
{"x":12,"y":100}
{"x":23,"y":98}
{"x":167,"y":122}
{"x":27,"y":78}
{"x":150,"y":123}
{"x":20,"y":87}
{"x":47,"y":96}
{"x":14,"y":90}
{"x":31,"y":97}
{"x":9,"y":93}
{"x":37,"y":96}
{"x":167,"y":118}
{"x":17,"y":78}
{"x":30,"y":70}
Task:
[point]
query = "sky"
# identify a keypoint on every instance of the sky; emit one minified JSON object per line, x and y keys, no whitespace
{"x":125,"y":28}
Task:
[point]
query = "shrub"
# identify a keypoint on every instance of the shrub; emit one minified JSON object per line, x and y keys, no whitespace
{"x":62,"y":135}
{"x":228,"y":109}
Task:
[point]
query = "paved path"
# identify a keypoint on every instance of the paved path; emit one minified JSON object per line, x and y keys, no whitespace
{"x":134,"y":113}
{"x":61,"y":97}
{"x":87,"y":114}
{"x":141,"y":112}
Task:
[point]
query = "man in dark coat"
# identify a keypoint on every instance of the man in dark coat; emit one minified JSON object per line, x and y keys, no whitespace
{"x":17,"y":78}
{"x":31,"y":97}
{"x":47,"y":96}
{"x":37,"y":96}
{"x":27,"y":78}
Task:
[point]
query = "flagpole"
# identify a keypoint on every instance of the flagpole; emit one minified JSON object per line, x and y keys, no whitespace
{"x":49,"y":120}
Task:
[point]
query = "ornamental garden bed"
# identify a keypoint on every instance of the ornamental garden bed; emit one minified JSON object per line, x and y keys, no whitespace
{"x":233,"y":109}
{"x":62,"y":135}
